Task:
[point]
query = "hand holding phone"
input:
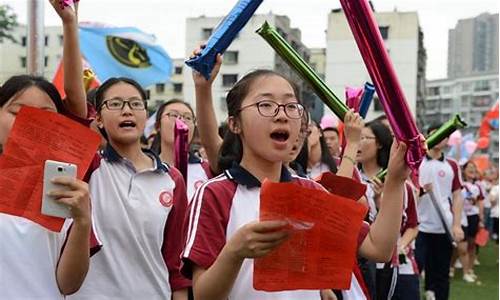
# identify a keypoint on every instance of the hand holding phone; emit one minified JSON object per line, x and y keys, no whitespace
{"x":51,"y":206}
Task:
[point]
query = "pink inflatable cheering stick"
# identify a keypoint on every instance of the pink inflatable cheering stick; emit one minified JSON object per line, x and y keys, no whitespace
{"x":181,"y":147}
{"x":371,"y":45}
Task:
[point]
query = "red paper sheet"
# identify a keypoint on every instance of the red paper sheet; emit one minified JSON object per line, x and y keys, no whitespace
{"x":342,"y":186}
{"x":482,"y":237}
{"x":321,"y":252}
{"x":37,"y":136}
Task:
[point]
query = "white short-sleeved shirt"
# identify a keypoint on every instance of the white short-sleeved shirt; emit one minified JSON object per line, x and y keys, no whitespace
{"x":370,"y":197}
{"x":28,"y":259}
{"x":220,"y":207}
{"x":139,"y":216}
{"x":494,"y":195}
{"x":444,"y":174}
{"x":471,"y":193}
{"x":317,"y":170}
{"x":198,"y":173}
{"x":29,"y":254}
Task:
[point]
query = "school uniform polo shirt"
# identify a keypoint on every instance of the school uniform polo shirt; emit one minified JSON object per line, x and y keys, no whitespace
{"x":198,"y":173}
{"x":444,"y":174}
{"x":471,"y":193}
{"x":317,"y":170}
{"x":409,"y":220}
{"x":219,"y":208}
{"x":139,"y":216}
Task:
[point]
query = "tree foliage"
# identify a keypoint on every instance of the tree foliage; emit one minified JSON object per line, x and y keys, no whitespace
{"x":8,"y":21}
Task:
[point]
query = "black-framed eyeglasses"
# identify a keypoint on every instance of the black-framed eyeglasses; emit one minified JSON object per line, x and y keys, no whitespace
{"x":119,"y":103}
{"x":270,"y":109}
{"x":186,"y":117}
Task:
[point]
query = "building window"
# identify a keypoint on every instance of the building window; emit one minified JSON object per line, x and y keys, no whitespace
{"x":178,"y":87}
{"x":482,"y":85}
{"x":231,"y":57}
{"x":24,"y":41}
{"x":228,"y":80}
{"x":46,"y":42}
{"x":206,"y":33}
{"x":384,"y":32}
{"x":23,"y":61}
{"x":160,"y":88}
{"x":46,"y":61}
{"x":434,"y":91}
{"x":61,"y":39}
{"x":178,"y":70}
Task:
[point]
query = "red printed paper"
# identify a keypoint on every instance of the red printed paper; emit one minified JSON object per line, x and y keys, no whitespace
{"x":342,"y":186}
{"x":321,"y":252}
{"x":37,"y":136}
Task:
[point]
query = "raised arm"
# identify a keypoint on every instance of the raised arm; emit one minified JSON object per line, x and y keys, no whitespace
{"x":353,"y":126}
{"x":205,"y":113}
{"x":76,"y":99}
{"x":381,"y":239}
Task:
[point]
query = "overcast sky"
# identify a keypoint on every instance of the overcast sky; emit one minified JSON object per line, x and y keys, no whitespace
{"x":166,"y":18}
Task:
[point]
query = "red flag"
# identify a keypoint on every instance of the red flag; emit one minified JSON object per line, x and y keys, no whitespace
{"x":58,"y":79}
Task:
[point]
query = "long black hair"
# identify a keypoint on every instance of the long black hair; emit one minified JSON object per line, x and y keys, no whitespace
{"x":326,"y":158}
{"x":231,"y":149}
{"x":383,"y":138}
{"x":18,"y":83}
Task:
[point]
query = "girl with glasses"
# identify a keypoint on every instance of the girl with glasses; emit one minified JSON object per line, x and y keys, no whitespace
{"x":223,"y":231}
{"x":198,"y":169}
{"x":138,"y":206}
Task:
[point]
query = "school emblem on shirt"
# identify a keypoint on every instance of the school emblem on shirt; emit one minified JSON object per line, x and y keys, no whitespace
{"x":128,"y":52}
{"x":441,"y":173}
{"x":166,"y":198}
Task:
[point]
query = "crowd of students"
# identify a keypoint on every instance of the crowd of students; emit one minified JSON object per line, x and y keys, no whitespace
{"x":139,"y":230}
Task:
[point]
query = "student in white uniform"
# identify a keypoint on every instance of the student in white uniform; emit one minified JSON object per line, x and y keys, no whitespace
{"x":264,"y":122}
{"x":138,"y":206}
{"x":198,"y":169}
{"x":36,"y":263}
{"x":433,"y":246}
{"x":473,"y":209}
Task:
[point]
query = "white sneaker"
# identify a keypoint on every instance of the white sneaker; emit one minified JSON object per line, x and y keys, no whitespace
{"x":458,"y":265}
{"x":476,"y":262}
{"x":473,"y":275}
{"x":429,"y":295}
{"x":468,"y":278}
{"x":452,"y":272}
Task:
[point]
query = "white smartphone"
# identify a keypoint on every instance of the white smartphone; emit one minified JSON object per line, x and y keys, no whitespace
{"x":52,"y":169}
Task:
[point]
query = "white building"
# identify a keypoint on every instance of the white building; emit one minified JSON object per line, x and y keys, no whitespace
{"x":404,"y":42}
{"x":162,"y":92}
{"x":471,"y":97}
{"x":248,"y":52}
{"x":13,"y":55}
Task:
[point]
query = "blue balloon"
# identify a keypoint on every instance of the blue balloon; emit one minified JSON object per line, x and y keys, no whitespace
{"x":494,"y":123}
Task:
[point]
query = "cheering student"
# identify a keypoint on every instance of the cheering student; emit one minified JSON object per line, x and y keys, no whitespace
{"x":223,"y":231}
{"x":433,"y":245}
{"x":473,"y":209}
{"x":41,"y":263}
{"x":198,"y":170}
{"x":138,"y":206}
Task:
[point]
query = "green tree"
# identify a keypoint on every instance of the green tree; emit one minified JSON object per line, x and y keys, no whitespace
{"x":8,"y":21}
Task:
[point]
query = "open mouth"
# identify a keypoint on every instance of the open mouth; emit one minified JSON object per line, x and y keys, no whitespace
{"x":280,"y":135}
{"x":127,"y":124}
